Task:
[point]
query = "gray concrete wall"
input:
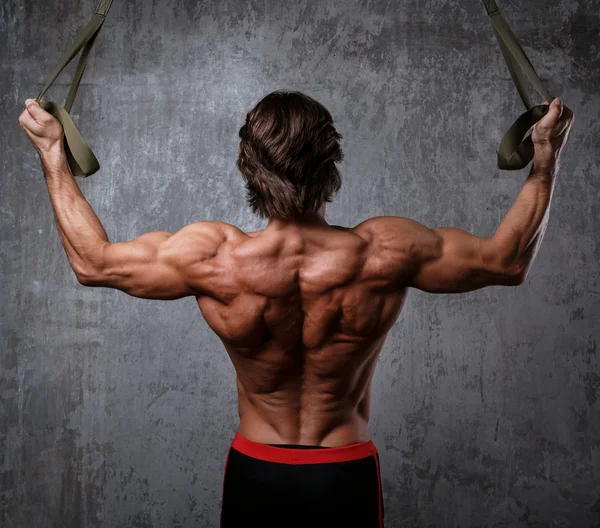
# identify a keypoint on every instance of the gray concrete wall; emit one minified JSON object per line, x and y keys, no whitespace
{"x":118,"y":412}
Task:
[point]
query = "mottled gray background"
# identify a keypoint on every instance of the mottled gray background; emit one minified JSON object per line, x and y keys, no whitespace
{"x":118,"y":412}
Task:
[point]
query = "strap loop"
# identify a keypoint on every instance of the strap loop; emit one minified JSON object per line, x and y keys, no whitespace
{"x":82,"y":160}
{"x":516,"y":148}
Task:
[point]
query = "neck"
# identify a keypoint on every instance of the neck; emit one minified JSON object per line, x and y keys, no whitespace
{"x":313,"y":218}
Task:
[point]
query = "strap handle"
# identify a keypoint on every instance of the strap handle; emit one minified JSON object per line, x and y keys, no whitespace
{"x":82,"y":160}
{"x":516,"y":148}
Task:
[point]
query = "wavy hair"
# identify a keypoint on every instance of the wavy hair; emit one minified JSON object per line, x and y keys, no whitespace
{"x":288,"y":154}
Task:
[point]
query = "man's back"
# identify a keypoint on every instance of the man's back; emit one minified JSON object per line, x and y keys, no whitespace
{"x":303,"y":308}
{"x":303,"y":313}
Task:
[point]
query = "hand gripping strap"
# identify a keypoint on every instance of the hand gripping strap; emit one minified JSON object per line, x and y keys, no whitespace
{"x":82,"y":160}
{"x":516,"y":148}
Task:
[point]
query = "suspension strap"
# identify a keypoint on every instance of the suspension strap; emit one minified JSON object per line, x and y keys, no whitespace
{"x":516,"y":148}
{"x":82,"y":160}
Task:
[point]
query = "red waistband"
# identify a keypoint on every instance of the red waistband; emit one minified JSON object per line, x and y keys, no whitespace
{"x":286,"y":455}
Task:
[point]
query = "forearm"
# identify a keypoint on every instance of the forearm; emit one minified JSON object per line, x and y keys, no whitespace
{"x":80,"y":230}
{"x":520,"y":234}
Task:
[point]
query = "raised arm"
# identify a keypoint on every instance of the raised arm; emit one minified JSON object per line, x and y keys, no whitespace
{"x":157,"y":265}
{"x":450,"y":260}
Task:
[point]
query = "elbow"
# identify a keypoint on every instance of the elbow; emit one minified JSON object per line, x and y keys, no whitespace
{"x":509,"y":274}
{"x":517,"y":274}
{"x":511,"y":269}
{"x":84,"y":280}
{"x":518,"y":280}
{"x":86,"y":277}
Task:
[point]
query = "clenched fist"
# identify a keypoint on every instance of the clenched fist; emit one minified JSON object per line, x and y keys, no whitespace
{"x":43,"y":129}
{"x":551,"y":132}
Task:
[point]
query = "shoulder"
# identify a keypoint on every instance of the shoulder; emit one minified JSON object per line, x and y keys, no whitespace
{"x":204,"y":238}
{"x":392,"y":232}
{"x":397,"y":244}
{"x":218,"y":231}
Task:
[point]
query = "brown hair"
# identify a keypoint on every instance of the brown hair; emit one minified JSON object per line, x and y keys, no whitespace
{"x":287,"y":156}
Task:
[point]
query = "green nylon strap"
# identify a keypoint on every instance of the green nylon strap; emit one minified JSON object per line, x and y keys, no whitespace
{"x":82,"y":160}
{"x":516,"y":148}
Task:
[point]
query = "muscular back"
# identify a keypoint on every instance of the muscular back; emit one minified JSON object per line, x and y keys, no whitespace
{"x":304,"y":309}
{"x":303,"y":313}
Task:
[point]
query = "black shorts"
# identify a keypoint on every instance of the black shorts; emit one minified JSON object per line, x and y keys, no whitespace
{"x":295,"y":486}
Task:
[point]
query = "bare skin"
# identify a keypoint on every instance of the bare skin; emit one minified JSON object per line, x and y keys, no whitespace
{"x":303,"y":308}
{"x":303,"y":313}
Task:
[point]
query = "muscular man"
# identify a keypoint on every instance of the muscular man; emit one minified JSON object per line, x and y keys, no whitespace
{"x":302,"y":307}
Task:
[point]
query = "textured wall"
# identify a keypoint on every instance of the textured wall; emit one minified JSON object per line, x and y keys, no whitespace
{"x":118,"y":412}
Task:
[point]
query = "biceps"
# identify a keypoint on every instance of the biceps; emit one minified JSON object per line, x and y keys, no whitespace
{"x":143,"y":268}
{"x":459,"y":263}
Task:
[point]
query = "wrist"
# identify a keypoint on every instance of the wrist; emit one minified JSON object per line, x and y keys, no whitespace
{"x":54,"y":158}
{"x":544,"y":160}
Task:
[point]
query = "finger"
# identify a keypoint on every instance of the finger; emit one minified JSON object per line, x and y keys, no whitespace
{"x":565,"y":119}
{"x":32,"y":137}
{"x":37,"y":112}
{"x":563,"y":123}
{"x":28,"y":123}
{"x":548,"y":122}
